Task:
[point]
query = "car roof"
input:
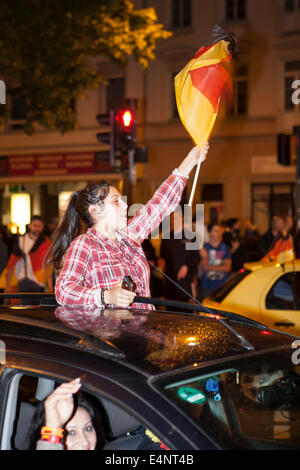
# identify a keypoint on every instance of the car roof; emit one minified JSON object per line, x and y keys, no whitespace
{"x":151,"y":341}
{"x":255,"y":265}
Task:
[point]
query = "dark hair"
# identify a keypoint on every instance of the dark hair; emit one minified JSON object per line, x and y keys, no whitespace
{"x":230,"y":222}
{"x":211,"y":226}
{"x":76,"y":218}
{"x":81,"y":400}
{"x":36,"y":217}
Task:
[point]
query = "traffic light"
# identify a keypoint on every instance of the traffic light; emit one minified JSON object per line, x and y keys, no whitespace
{"x":125,"y":129}
{"x":283,"y":149}
{"x":105,"y":159}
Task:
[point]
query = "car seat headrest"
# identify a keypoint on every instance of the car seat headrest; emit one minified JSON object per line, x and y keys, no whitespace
{"x":120,"y":422}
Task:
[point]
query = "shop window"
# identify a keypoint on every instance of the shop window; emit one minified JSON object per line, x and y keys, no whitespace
{"x":269,"y":200}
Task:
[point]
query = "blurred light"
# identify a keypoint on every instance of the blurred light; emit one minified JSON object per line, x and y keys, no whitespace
{"x":211,"y":315}
{"x":191,"y":341}
{"x":13,"y":228}
{"x":127,"y":118}
{"x":266,"y":332}
{"x":63,"y":199}
{"x":20,"y":211}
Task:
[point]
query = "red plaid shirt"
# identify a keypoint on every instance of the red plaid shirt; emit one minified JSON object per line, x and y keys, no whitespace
{"x":95,"y":262}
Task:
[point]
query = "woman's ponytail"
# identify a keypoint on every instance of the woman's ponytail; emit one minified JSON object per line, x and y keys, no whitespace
{"x":65,"y":233}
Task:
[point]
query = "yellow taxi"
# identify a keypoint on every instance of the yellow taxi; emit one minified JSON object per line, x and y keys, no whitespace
{"x":267,"y":292}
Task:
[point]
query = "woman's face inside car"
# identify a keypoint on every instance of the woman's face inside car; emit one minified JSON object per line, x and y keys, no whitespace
{"x":81,"y":434}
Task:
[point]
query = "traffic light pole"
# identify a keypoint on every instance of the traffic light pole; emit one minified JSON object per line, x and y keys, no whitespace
{"x":131,"y":167}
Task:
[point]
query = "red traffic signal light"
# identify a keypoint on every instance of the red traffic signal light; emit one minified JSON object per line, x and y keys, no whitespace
{"x":126,"y":128}
{"x":126,"y":118}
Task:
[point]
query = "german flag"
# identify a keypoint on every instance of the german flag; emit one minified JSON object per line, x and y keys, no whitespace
{"x":198,"y":89}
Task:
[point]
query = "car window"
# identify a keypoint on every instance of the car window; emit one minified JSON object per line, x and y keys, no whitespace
{"x":116,"y":428}
{"x":253,"y":405}
{"x":285,"y":293}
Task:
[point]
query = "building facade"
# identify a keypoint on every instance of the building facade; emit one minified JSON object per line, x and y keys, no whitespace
{"x":240,"y":178}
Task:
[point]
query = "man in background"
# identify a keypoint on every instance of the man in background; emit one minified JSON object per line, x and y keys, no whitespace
{"x":268,"y":240}
{"x":215,"y":261}
{"x":180,"y":262}
{"x":26,"y":261}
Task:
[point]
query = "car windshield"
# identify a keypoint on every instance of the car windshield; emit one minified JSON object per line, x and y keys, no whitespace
{"x":252,"y":404}
{"x":222,"y":292}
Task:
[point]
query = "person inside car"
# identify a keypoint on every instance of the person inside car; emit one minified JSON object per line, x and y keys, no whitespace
{"x":67,"y":420}
{"x":96,"y":261}
{"x":70,"y":420}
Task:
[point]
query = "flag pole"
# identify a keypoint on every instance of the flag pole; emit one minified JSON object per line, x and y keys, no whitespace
{"x":194,"y":183}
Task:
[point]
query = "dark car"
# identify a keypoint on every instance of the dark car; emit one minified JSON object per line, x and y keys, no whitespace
{"x":192,"y":380}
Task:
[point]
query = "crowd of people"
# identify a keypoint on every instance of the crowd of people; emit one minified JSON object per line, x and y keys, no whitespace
{"x":227,"y":246}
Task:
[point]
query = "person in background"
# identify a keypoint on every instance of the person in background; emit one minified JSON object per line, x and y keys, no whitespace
{"x":180,"y":261}
{"x":239,"y":254}
{"x":288,"y":224}
{"x":268,"y":240}
{"x":251,"y":239}
{"x":250,"y":229}
{"x":215,"y":261}
{"x":156,"y":284}
{"x":51,"y":227}
{"x":26,"y":261}
{"x":238,"y":249}
{"x":282,"y":249}
{"x":232,"y":230}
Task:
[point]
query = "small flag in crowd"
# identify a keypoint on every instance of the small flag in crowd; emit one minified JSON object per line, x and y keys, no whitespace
{"x":282,"y":252}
